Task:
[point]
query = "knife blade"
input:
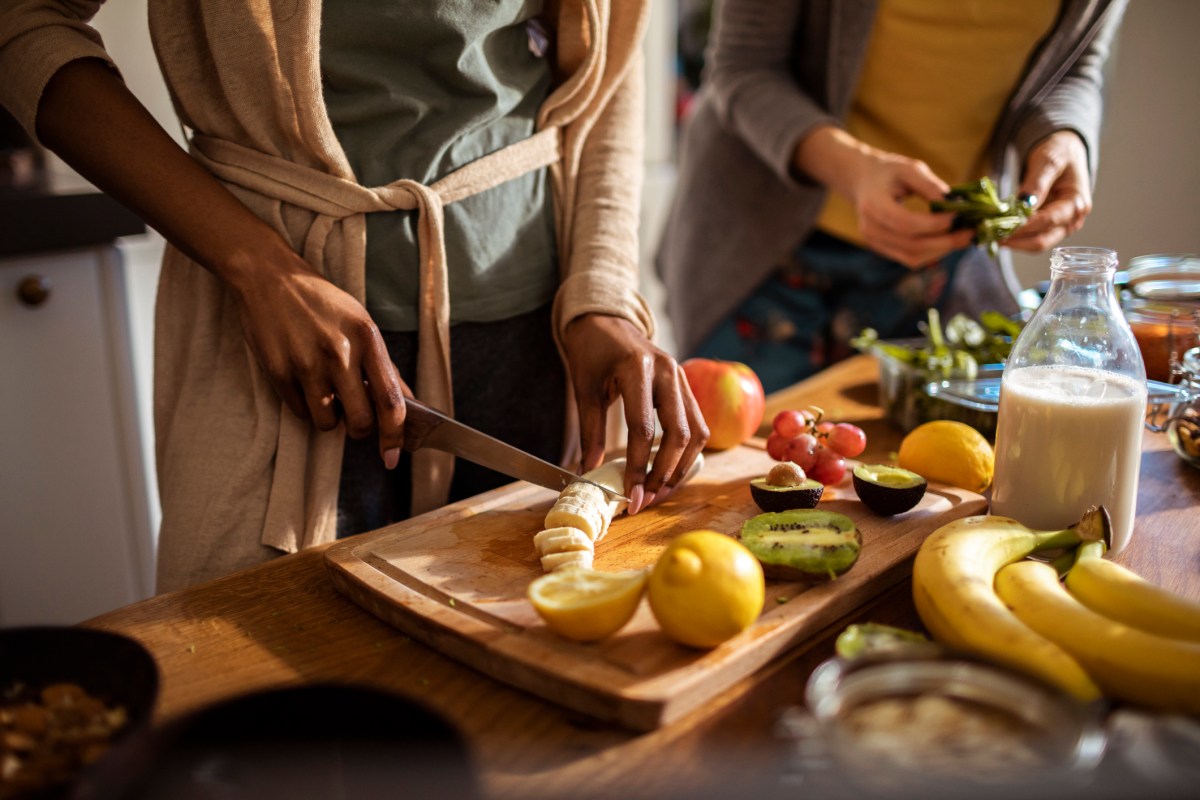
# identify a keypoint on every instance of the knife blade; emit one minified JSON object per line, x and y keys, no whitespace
{"x":428,"y":427}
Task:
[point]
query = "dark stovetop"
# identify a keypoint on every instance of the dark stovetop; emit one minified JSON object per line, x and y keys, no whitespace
{"x":42,"y":213}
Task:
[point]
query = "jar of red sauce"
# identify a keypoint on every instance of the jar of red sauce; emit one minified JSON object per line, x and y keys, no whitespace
{"x":1162,"y":306}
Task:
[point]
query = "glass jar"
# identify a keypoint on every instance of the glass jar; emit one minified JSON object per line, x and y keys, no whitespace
{"x":1162,"y":305}
{"x":1183,"y":427}
{"x":1072,"y":402}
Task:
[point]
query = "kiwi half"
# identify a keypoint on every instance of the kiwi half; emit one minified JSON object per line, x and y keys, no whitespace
{"x":888,"y":490}
{"x":769,"y":497}
{"x":802,"y":544}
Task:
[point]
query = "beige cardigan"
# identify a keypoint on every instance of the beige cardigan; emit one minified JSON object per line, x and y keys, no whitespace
{"x":240,"y":477}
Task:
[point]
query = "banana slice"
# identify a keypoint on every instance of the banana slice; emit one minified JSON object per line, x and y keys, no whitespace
{"x":559,"y":540}
{"x":584,"y":512}
{"x":570,"y":558}
{"x":572,"y":512}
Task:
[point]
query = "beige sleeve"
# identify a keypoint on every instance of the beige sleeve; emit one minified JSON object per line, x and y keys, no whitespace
{"x":37,"y":37}
{"x":602,"y":276}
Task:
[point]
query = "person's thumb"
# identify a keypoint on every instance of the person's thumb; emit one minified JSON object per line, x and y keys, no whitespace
{"x":1041,"y":171}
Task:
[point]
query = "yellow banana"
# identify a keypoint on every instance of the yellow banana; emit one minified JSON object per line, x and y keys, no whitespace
{"x":1120,"y":594}
{"x":952,"y":589}
{"x":1129,"y":664}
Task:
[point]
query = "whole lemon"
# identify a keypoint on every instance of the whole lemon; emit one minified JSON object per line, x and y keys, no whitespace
{"x":705,"y":588}
{"x":949,"y":452}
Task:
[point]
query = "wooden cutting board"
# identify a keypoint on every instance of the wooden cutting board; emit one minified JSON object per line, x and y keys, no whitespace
{"x":455,"y":579}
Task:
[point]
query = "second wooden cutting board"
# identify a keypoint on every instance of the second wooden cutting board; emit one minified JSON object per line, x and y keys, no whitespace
{"x":456,"y":578}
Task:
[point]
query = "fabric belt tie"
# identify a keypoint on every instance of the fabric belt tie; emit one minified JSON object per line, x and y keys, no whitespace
{"x":333,"y":198}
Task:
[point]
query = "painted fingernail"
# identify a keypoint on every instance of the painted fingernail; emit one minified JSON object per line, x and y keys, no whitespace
{"x":391,"y":457}
{"x":664,"y":492}
{"x":648,"y":500}
{"x":637,"y":496}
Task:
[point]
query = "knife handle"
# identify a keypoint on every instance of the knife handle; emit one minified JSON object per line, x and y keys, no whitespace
{"x":419,"y":421}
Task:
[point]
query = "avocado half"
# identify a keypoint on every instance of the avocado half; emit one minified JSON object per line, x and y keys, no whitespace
{"x":769,"y":497}
{"x":888,"y":490}
{"x":802,"y":544}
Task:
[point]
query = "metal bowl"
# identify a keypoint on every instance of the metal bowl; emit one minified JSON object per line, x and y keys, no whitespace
{"x":920,"y":725}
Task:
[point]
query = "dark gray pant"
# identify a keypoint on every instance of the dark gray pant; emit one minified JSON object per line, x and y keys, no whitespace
{"x":508,"y":382}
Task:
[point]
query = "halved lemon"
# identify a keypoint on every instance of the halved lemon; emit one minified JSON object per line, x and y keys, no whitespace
{"x":586,"y":604}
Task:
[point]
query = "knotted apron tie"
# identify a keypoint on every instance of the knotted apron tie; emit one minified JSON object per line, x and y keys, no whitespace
{"x":333,"y":199}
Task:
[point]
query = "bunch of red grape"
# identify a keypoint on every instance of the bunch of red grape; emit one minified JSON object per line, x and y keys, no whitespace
{"x":820,"y":448}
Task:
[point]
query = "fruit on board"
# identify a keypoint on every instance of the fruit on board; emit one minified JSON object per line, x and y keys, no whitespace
{"x":949,"y":452}
{"x":730,"y":398}
{"x":953,"y":577}
{"x":819,"y":446}
{"x":1122,"y":595}
{"x":705,"y":588}
{"x":873,"y":639}
{"x":804,"y":544}
{"x":1128,"y":664}
{"x":584,"y":604}
{"x":785,"y":487}
{"x":888,"y":490}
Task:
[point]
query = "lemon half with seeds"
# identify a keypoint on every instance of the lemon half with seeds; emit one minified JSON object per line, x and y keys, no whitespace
{"x":949,"y":452}
{"x":585,"y":604}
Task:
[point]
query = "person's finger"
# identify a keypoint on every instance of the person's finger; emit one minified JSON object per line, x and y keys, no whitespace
{"x":593,"y":427}
{"x":321,"y":400}
{"x":636,"y":387}
{"x":919,"y":179}
{"x":676,"y":430}
{"x":387,"y":392}
{"x":1042,"y":169}
{"x":698,"y":438}
{"x":919,"y":252}
{"x":899,"y":219}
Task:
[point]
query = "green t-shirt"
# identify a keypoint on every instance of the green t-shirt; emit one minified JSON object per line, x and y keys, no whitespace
{"x":415,"y":89}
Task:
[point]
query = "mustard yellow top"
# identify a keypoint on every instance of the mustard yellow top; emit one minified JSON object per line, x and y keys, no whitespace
{"x":934,"y":81}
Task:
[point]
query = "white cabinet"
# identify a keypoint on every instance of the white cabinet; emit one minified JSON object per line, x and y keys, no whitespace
{"x":75,"y":531}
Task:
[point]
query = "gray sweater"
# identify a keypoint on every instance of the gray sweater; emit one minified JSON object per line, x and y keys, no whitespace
{"x":776,"y":69}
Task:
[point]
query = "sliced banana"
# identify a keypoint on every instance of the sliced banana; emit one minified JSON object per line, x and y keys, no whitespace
{"x":558,"y":540}
{"x":581,"y":516}
{"x":570,"y":558}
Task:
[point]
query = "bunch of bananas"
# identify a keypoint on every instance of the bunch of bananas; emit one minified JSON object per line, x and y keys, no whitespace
{"x":1107,"y":632}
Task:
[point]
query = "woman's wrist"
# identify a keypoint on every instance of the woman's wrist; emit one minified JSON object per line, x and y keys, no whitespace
{"x":830,"y":156}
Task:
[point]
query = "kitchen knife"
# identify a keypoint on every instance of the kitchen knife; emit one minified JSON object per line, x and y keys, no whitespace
{"x":427,"y":427}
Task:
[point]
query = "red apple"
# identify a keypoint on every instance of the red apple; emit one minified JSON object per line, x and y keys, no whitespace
{"x":730,"y":397}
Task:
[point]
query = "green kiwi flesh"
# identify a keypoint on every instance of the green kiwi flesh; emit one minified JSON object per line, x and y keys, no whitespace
{"x":888,"y":490}
{"x":768,"y":497}
{"x":802,"y":544}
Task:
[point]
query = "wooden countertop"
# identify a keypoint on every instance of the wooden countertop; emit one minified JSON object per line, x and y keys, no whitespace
{"x":283,"y":623}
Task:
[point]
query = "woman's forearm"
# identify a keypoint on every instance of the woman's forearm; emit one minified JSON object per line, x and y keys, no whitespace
{"x":95,"y":124}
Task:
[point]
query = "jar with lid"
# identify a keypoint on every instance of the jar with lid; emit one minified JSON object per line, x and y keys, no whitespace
{"x":1072,"y":404}
{"x":1162,"y":305}
{"x":1183,"y":426}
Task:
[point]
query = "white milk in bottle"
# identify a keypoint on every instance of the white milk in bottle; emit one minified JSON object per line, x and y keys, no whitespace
{"x":1069,"y":438}
{"x":1072,"y":401}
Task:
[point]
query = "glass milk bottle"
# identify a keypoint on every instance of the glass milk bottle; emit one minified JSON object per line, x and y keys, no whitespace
{"x":1072,"y":404}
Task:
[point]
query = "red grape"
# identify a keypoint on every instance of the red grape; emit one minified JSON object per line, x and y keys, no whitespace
{"x":802,"y":450}
{"x":828,"y":468}
{"x":777,"y":446}
{"x":824,"y":427}
{"x":789,"y":423}
{"x":809,"y":418}
{"x":847,"y":440}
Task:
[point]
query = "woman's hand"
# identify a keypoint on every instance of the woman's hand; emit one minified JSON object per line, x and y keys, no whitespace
{"x":608,"y":357}
{"x":320,"y":350}
{"x":877,"y":182}
{"x":1056,"y":176}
